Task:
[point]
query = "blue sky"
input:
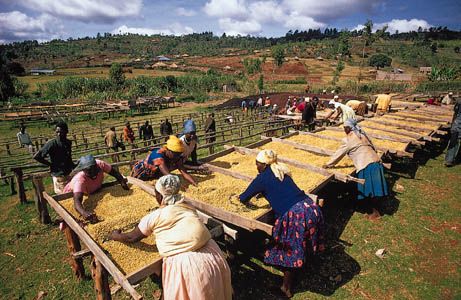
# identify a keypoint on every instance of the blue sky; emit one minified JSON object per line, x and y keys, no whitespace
{"x":48,"y":19}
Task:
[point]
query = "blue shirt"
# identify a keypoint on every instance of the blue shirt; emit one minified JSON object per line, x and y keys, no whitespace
{"x":282,"y":195}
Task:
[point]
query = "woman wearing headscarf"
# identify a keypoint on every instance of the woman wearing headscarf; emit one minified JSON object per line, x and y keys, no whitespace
{"x":88,"y":178}
{"x":189,"y":141}
{"x":298,"y":228}
{"x":358,"y":146}
{"x":193,"y":265}
{"x":343,"y":112}
{"x":161,"y":161}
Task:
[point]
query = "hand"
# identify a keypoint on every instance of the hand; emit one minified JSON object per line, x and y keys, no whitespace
{"x":325,"y":166}
{"x":90,"y":217}
{"x":124,"y":184}
{"x":114,"y":234}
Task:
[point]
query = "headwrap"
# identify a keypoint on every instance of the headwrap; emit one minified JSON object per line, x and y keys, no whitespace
{"x":85,"y":162}
{"x":168,"y":186}
{"x":307,"y":99}
{"x":189,"y":126}
{"x":269,"y":157}
{"x":332,"y":102}
{"x":352,"y":123}
{"x":174,"y":144}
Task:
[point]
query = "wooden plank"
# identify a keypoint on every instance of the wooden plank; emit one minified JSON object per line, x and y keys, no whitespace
{"x":406,"y":127}
{"x":249,"y":224}
{"x":140,"y":274}
{"x":304,"y":147}
{"x":229,"y":172}
{"x":93,"y":246}
{"x":81,"y":253}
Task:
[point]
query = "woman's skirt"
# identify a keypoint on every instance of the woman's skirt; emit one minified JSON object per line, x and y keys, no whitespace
{"x":144,"y":171}
{"x":202,"y":274}
{"x":375,"y":182}
{"x":296,"y":233}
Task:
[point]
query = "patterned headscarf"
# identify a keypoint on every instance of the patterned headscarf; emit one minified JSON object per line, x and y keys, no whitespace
{"x":354,"y":126}
{"x":269,"y":157}
{"x":168,"y":186}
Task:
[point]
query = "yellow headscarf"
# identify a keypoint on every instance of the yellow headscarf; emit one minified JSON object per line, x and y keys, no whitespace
{"x":174,"y":144}
{"x":269,"y":157}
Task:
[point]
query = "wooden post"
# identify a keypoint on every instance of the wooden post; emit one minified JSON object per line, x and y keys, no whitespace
{"x":18,"y":174}
{"x":73,"y":244}
{"x":8,"y":149}
{"x":101,"y":280}
{"x":40,"y":202}
{"x":36,"y":146}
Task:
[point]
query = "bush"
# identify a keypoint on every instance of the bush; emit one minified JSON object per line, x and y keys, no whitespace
{"x":292,"y":81}
{"x":431,"y":86}
{"x":116,"y":75}
{"x":380,"y":61}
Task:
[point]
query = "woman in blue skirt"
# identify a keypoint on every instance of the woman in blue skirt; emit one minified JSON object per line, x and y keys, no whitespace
{"x":298,"y":229}
{"x":358,"y":146}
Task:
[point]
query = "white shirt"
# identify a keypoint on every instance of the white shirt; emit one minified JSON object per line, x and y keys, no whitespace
{"x":188,"y":147}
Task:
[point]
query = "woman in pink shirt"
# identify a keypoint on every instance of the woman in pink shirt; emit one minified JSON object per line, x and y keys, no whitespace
{"x":88,"y":179}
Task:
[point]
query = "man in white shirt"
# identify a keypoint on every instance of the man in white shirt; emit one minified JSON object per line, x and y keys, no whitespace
{"x":24,"y":139}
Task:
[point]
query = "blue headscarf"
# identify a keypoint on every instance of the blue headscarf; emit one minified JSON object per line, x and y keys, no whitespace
{"x":189,"y":126}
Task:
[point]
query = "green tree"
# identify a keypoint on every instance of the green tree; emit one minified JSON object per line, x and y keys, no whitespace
{"x":278,"y":53}
{"x":380,"y":61}
{"x":337,"y":72}
{"x":116,"y":75}
{"x":261,"y":83}
{"x":6,"y":82}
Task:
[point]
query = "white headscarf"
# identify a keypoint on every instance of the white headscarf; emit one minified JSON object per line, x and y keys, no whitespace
{"x":269,"y":157}
{"x":168,"y":186}
{"x":352,"y":123}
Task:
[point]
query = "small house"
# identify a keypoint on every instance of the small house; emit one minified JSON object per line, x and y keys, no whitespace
{"x":37,"y":72}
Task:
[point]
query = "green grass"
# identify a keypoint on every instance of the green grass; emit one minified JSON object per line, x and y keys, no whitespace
{"x":421,"y":239}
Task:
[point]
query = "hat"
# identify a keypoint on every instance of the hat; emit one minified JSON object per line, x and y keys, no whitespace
{"x":174,"y":144}
{"x":85,"y":162}
{"x":324,"y":91}
{"x":336,"y":97}
{"x":307,"y":99}
{"x":189,"y":126}
{"x":450,"y":93}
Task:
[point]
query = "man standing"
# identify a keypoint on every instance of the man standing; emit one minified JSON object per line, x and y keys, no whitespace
{"x":146,"y":132}
{"x":190,"y":141}
{"x":166,"y":129}
{"x":24,"y":139}
{"x":455,"y":136}
{"x":59,"y":152}
{"x":111,"y":141}
{"x":128,"y":134}
{"x":308,"y":115}
{"x":210,"y":128}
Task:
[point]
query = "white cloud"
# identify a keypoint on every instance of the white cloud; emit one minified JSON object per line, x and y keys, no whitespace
{"x":96,"y":11}
{"x":403,"y":25}
{"x":235,"y":9}
{"x":266,"y":11}
{"x":329,"y":9}
{"x":234,"y":27}
{"x":181,"y":11}
{"x":296,"y":21}
{"x":173,"y":29}
{"x":15,"y":26}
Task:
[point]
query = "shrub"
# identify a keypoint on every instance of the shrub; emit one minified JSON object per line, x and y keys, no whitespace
{"x":380,"y":61}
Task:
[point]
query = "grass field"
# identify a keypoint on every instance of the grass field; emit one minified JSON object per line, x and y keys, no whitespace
{"x":421,"y":236}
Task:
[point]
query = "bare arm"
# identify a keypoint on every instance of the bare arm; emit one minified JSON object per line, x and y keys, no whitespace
{"x":122,"y":180}
{"x":78,"y":198}
{"x":41,"y":159}
{"x":338,"y":155}
{"x":132,"y":236}
{"x":185,"y":174}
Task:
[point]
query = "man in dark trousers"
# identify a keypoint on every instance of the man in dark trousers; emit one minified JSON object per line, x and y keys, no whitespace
{"x":308,"y":115}
{"x":59,"y":152}
{"x":166,"y":129}
{"x":146,"y":132}
{"x":210,"y":128}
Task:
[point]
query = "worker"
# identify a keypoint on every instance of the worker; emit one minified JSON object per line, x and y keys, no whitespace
{"x":190,"y":141}
{"x":308,"y":115}
{"x":110,"y":139}
{"x":274,"y":109}
{"x":300,"y":105}
{"x":88,"y":178}
{"x":59,"y":152}
{"x":260,"y":102}
{"x":193,"y":265}
{"x":448,"y":99}
{"x":128,"y":134}
{"x":358,"y":146}
{"x":24,"y":139}
{"x":146,"y":132}
{"x":267,"y":102}
{"x":341,"y":110}
{"x":383,"y":102}
{"x":161,"y":161}
{"x":455,"y":136}
{"x":298,"y":228}
{"x":166,"y":129}
{"x":360,"y":107}
{"x":251,"y":104}
{"x":210,"y":129}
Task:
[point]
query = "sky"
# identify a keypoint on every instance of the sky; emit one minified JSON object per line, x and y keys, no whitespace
{"x":44,"y":20}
